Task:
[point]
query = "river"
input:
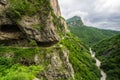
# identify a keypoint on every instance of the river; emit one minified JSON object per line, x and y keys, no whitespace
{"x":98,"y":64}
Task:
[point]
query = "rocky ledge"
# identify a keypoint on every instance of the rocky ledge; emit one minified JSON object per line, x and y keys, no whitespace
{"x":40,"y":26}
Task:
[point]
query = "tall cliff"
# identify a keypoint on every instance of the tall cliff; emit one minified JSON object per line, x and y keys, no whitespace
{"x":55,"y":6}
{"x":56,"y":9}
{"x":35,"y":44}
{"x":34,"y":20}
{"x":25,"y":27}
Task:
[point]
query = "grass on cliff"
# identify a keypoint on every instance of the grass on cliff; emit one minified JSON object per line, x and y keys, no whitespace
{"x":12,"y":68}
{"x":79,"y":56}
{"x":60,"y":27}
{"x":18,"y":8}
{"x":27,"y":53}
{"x":10,"y":71}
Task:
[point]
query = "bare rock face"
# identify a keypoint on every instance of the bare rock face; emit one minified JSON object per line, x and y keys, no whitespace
{"x":60,"y":68}
{"x":63,"y":22}
{"x":41,"y":32}
{"x":56,"y":9}
{"x":40,"y":28}
{"x":3,"y":2}
{"x":55,"y":6}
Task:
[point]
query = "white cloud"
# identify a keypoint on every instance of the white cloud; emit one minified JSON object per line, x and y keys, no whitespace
{"x":93,"y":12}
{"x":109,"y":6}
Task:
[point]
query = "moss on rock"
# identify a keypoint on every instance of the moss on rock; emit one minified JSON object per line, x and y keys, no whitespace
{"x":18,"y":8}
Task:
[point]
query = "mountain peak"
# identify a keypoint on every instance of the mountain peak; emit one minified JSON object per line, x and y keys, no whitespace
{"x":76,"y":20}
{"x":77,"y":17}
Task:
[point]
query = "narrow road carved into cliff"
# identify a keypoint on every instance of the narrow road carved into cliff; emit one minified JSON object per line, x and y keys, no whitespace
{"x":98,"y":64}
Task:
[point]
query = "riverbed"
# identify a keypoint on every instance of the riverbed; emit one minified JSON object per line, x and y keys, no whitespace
{"x":98,"y":64}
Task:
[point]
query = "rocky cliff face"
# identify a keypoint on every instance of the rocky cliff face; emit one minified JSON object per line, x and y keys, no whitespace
{"x":75,"y":21}
{"x":30,"y":23}
{"x":39,"y":27}
{"x":55,"y":6}
{"x":54,"y":59}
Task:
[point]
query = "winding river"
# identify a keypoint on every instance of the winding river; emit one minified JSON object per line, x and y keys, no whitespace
{"x":98,"y":64}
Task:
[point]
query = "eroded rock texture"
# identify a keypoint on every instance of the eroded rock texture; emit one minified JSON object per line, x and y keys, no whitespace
{"x":39,"y":27}
{"x":55,"y":6}
{"x":55,"y":61}
{"x":45,"y":28}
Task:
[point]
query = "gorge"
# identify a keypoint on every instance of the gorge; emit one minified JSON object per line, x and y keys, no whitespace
{"x":98,"y":64}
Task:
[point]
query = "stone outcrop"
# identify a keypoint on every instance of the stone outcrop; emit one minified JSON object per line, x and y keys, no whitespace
{"x":42,"y":30}
{"x":55,"y":61}
{"x":3,"y":2}
{"x":35,"y":29}
{"x":60,"y":68}
{"x":63,"y":22}
{"x":75,"y":21}
{"x":55,"y":7}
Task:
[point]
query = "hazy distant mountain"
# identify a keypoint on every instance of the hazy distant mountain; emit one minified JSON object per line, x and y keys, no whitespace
{"x":87,"y":34}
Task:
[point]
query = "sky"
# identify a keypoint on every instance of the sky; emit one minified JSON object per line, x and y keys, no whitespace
{"x":103,"y":14}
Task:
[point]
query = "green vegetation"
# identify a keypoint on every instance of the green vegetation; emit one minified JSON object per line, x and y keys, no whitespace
{"x":38,"y":26}
{"x":18,"y":72}
{"x":32,"y":43}
{"x":19,"y":64}
{"x":79,"y":56}
{"x":11,"y":71}
{"x":12,"y":68}
{"x":76,"y":21}
{"x":108,"y":51}
{"x":18,"y":8}
{"x":88,"y":35}
{"x":27,"y":54}
{"x":60,"y":27}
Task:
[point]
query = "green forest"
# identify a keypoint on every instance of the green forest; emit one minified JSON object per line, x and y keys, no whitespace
{"x":108,"y":51}
{"x":89,"y":35}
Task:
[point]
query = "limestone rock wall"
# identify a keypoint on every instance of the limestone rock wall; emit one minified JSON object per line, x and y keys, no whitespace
{"x":42,"y":29}
{"x":56,"y":9}
{"x":39,"y":27}
{"x":55,"y":6}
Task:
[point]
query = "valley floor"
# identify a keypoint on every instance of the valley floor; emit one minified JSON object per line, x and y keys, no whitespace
{"x":98,"y":64}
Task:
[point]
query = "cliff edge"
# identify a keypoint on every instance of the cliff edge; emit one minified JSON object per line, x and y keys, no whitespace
{"x":26,"y":20}
{"x":29,"y":33}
